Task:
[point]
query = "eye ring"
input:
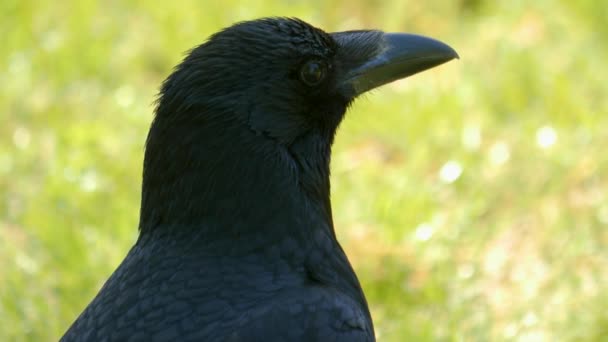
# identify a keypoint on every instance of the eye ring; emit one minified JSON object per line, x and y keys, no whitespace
{"x":313,"y":72}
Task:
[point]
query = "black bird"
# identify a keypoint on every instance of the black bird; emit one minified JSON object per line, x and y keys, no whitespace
{"x":236,"y":235}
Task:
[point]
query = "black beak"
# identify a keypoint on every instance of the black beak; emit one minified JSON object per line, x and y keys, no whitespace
{"x":373,"y":58}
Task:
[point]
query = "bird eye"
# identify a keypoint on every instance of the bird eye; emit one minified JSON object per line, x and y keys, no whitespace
{"x":313,"y":72}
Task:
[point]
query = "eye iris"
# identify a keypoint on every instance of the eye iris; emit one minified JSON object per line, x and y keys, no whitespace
{"x":312,"y":73}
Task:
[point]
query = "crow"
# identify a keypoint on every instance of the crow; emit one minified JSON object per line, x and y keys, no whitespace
{"x":236,"y":239}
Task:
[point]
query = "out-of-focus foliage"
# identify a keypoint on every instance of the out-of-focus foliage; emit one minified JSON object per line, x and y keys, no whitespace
{"x":471,"y":199}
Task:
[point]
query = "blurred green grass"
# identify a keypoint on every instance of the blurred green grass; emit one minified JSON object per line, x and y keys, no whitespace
{"x":471,"y":199}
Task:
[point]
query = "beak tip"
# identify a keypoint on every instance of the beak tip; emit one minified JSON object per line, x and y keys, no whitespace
{"x":455,"y":54}
{"x":412,"y":46}
{"x":447,"y":51}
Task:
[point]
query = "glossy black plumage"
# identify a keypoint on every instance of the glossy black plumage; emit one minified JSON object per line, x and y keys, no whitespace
{"x":236,"y":234}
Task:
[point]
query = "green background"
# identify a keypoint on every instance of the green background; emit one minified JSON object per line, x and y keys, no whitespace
{"x":471,"y":199}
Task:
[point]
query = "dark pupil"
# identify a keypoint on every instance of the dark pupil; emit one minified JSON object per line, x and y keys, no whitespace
{"x":312,"y":73}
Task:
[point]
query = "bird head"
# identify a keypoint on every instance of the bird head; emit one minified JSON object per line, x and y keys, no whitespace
{"x":283,"y":77}
{"x":255,"y":109}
